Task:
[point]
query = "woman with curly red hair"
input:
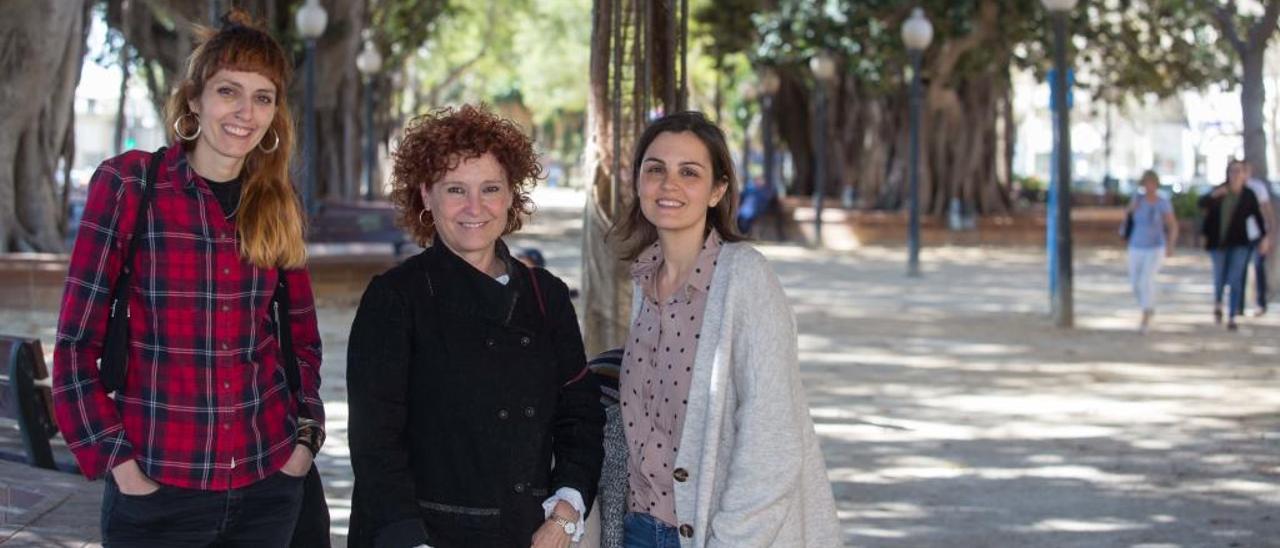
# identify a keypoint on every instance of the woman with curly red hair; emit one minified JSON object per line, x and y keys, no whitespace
{"x":472,"y":419}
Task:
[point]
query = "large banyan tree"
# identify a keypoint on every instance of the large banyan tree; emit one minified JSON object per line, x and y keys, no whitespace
{"x":1123,"y":48}
{"x":638,"y":48}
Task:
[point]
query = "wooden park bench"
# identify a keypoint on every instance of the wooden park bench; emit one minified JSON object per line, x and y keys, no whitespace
{"x":27,"y":399}
{"x":357,"y":222}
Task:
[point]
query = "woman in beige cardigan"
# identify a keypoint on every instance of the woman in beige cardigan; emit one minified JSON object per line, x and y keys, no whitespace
{"x":720,"y":450}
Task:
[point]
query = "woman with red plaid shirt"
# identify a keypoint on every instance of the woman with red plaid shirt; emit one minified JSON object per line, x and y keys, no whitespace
{"x":205,"y":442}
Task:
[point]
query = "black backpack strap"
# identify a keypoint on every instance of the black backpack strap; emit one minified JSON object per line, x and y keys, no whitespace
{"x":284,"y":332}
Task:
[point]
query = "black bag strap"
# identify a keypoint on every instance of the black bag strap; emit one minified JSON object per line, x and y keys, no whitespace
{"x":121,"y":291}
{"x":284,"y":334}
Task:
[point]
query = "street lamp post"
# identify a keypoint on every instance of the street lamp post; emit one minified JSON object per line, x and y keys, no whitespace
{"x":824,"y":71}
{"x":748,"y":93}
{"x":769,"y":84}
{"x":917,"y":32}
{"x":369,"y":62}
{"x":311,"y":20}
{"x":1061,"y":284}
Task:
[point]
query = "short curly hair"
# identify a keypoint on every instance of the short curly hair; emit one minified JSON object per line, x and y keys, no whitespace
{"x":435,"y":143}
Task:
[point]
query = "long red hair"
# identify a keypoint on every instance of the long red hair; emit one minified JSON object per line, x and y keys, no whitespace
{"x":270,"y":219}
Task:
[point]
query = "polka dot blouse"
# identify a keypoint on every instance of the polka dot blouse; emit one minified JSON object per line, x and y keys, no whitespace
{"x":657,"y":366}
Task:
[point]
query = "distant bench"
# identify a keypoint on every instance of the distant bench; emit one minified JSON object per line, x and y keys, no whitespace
{"x":26,"y":398}
{"x":357,"y":222}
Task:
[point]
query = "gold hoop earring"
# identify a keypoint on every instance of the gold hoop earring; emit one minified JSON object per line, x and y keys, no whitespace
{"x":423,"y":222}
{"x":177,"y":127}
{"x":273,"y":146}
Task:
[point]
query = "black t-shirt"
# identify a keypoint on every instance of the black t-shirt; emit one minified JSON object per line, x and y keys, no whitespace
{"x":228,"y":195}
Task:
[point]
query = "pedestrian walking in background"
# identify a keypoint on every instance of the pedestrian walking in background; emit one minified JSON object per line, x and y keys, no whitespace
{"x":1232,"y":227}
{"x":1152,"y":233}
{"x":1259,"y":188}
{"x":473,"y":419}
{"x":720,"y":447}
{"x":206,"y":441}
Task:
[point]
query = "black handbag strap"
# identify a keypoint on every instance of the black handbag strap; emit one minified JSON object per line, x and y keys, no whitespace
{"x":148,"y":194}
{"x":280,"y":304}
{"x":121,"y":291}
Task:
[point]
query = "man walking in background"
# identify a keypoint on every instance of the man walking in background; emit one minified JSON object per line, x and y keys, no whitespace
{"x":1259,"y":188}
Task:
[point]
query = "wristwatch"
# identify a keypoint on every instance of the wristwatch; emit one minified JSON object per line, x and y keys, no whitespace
{"x":570,"y":527}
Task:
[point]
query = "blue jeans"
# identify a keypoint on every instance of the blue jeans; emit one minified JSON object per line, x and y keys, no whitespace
{"x":258,"y":515}
{"x":1229,"y":264}
{"x":1260,"y":275}
{"x":645,"y":531}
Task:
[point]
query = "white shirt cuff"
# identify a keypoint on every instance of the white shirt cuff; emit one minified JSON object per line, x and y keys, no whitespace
{"x":574,"y":498}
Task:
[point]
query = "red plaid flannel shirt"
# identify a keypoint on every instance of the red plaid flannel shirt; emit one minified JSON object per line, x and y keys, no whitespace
{"x":205,"y":404}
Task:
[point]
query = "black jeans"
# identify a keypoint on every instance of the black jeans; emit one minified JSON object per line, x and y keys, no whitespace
{"x":258,"y":515}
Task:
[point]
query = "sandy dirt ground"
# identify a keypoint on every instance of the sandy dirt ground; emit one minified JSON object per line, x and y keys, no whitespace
{"x":953,"y":413}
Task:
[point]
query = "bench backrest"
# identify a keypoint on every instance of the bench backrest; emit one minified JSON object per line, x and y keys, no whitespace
{"x":25,"y":399}
{"x":339,"y":222}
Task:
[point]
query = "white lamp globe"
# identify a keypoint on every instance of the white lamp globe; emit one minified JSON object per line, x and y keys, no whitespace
{"x":311,"y":20}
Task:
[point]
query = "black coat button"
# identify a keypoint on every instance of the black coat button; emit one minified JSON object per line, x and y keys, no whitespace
{"x":686,"y":531}
{"x":530,"y":412}
{"x":680,"y":474}
{"x":488,"y":343}
{"x":524,"y":341}
{"x":502,"y":414}
{"x":519,"y":487}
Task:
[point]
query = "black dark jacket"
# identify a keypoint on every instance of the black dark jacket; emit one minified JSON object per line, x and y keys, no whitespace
{"x":461,"y":391}
{"x":1237,"y":234}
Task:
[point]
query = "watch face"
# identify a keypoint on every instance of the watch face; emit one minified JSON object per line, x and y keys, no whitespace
{"x":570,"y":527}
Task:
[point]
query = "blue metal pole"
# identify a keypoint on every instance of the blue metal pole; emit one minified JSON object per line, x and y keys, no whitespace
{"x":913,"y":235}
{"x":1064,"y":310}
{"x":309,"y":132}
{"x":770,"y":175}
{"x":820,"y":160}
{"x":370,"y":157}
{"x":745,"y":176}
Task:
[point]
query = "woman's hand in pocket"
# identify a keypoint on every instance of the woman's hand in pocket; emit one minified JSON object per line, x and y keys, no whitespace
{"x":131,"y":481}
{"x":299,"y":462}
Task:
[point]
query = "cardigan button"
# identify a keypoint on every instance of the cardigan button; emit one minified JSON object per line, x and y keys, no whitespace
{"x":530,"y":412}
{"x":525,"y":341}
{"x":519,"y":488}
{"x":680,"y":474}
{"x":502,"y":414}
{"x":488,"y":343}
{"x":686,"y":531}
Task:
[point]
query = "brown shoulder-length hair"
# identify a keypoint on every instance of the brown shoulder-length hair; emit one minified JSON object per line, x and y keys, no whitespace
{"x":270,"y":219}
{"x":634,"y":233}
{"x":435,"y":143}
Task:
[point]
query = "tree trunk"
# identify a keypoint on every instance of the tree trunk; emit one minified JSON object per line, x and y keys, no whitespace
{"x":1253,"y":97}
{"x":793,"y":128}
{"x":605,"y":311}
{"x":117,"y":138}
{"x":41,"y":51}
{"x":631,"y":42}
